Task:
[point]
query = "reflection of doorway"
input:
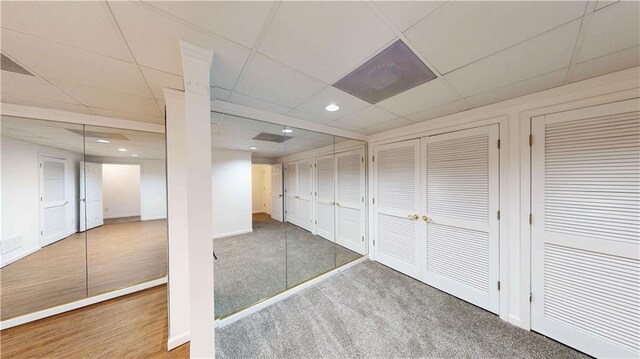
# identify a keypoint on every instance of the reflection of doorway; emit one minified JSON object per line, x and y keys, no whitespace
{"x":90,"y":195}
{"x":53,"y":200}
{"x":121,"y":193}
{"x":276,"y":192}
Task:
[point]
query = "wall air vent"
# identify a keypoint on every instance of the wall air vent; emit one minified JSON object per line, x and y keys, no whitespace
{"x":12,"y":66}
{"x":100,"y":135}
{"x":394,"y":70}
{"x":270,"y":137}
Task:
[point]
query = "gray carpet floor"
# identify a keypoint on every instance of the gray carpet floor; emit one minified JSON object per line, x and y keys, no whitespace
{"x":371,"y":311}
{"x":274,"y":257}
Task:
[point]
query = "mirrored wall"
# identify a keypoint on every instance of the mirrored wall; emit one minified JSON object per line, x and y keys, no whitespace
{"x":288,"y":205}
{"x":83,"y":212}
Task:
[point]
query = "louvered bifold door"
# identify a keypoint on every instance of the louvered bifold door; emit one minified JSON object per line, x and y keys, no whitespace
{"x":350,"y":214}
{"x":325,"y":201}
{"x":396,"y":205}
{"x":585,"y":195}
{"x":461,"y":215}
{"x":305,"y":203}
{"x":291,"y":192}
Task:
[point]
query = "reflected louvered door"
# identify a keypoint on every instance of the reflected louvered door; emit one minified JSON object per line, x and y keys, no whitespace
{"x":585,"y":189}
{"x":291,"y":192}
{"x":461,"y":175}
{"x":305,"y":203}
{"x":350,"y":185}
{"x":325,"y":201}
{"x":276,"y":192}
{"x":397,"y":203}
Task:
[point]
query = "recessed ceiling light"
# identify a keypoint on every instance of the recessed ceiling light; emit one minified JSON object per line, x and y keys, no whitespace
{"x":253,"y":148}
{"x":332,"y":108}
{"x":103,"y":141}
{"x":286,"y":130}
{"x":134,"y":155}
{"x":122,"y":149}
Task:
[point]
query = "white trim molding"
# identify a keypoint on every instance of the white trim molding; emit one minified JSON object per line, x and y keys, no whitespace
{"x":229,"y":234}
{"x":9,"y":323}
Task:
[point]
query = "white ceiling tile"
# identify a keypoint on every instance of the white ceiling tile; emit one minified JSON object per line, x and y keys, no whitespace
{"x":385,"y":126}
{"x":520,"y":62}
{"x":330,"y":95}
{"x":271,"y":81}
{"x":404,"y":14}
{"x":420,"y":98}
{"x":153,"y":39}
{"x":606,"y":64}
{"x":342,"y":125}
{"x":324,"y":39}
{"x":439,"y":111}
{"x":127,"y":115}
{"x":369,"y":116}
{"x":31,"y":86}
{"x":600,"y":4}
{"x":220,"y":93}
{"x":614,"y":28}
{"x":86,"y":25}
{"x":35,"y":102}
{"x":114,"y":101}
{"x":245,"y":100}
{"x":58,"y":62}
{"x":157,"y":80}
{"x":238,"y":21}
{"x":307,"y":116}
{"x":540,"y":83}
{"x":459,"y":33}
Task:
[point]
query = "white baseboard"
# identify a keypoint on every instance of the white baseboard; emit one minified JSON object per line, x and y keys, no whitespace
{"x":516,"y":321}
{"x":177,"y":340}
{"x":286,"y":294}
{"x":229,"y":234}
{"x":19,"y":256}
{"x":79,"y":304}
{"x":152,"y":218}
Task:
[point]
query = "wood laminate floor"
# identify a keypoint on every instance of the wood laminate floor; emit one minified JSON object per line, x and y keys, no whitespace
{"x":112,"y":256}
{"x":133,"y":326}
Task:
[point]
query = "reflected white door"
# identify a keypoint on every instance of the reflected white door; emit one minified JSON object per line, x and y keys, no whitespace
{"x":396,"y":207}
{"x":350,"y":214}
{"x":462,"y":225}
{"x":305,"y":195}
{"x":53,"y":200}
{"x":325,"y":202}
{"x":585,"y":234}
{"x":266,"y":189}
{"x":276,"y":192}
{"x":291,"y":192}
{"x":91,"y":211}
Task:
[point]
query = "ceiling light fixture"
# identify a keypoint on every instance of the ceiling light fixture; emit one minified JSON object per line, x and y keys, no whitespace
{"x":103,"y":141}
{"x":253,"y":148}
{"x":122,"y":149}
{"x":286,"y":130}
{"x":332,"y":108}
{"x":134,"y":155}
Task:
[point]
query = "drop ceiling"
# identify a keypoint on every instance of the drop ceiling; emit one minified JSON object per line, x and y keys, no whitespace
{"x":114,"y":58}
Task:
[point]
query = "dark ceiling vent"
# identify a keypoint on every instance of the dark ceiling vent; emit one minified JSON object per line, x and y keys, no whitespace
{"x":99,"y":135}
{"x":270,"y":137}
{"x":12,"y":66}
{"x":394,"y":70}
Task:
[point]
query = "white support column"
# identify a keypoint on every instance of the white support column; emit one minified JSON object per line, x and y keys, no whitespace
{"x":177,"y":219}
{"x":196,"y":69}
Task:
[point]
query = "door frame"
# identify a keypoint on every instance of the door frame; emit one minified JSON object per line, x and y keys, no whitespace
{"x":63,"y":160}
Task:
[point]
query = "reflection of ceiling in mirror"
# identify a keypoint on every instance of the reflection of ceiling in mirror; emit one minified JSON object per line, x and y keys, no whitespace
{"x":66,"y":136}
{"x":238,"y":133}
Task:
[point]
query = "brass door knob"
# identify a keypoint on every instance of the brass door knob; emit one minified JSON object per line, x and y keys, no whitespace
{"x":414,"y":217}
{"x":426,"y":218}
{"x":337,"y":204}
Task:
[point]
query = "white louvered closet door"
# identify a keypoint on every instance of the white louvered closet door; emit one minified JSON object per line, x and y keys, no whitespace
{"x":291,"y":192}
{"x":350,"y":186}
{"x":276,"y":192}
{"x":325,"y":201}
{"x":585,"y":189}
{"x":397,"y":203}
{"x":462,"y":206}
{"x":305,"y":203}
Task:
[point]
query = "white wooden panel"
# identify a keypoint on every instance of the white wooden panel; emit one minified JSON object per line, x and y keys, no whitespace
{"x":585,"y":232}
{"x":325,"y":202}
{"x":53,"y":200}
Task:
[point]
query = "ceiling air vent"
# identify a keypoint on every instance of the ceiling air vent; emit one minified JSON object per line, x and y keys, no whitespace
{"x":270,"y":137}
{"x":394,"y":70}
{"x":12,"y":66}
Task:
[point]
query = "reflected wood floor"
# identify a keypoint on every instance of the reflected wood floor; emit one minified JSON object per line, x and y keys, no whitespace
{"x":133,"y":326}
{"x":114,"y":256}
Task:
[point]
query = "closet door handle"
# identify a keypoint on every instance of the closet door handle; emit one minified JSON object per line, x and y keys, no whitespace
{"x":414,"y":217}
{"x":427,"y":219}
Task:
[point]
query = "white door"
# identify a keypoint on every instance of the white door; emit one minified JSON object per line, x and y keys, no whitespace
{"x":276,"y":192}
{"x":325,"y":202}
{"x":585,"y":234}
{"x":91,"y":214}
{"x":350,"y":186}
{"x":266,"y":189}
{"x":53,"y":201}
{"x":291,"y":192}
{"x":396,"y":206}
{"x":461,"y":202}
{"x":305,"y":195}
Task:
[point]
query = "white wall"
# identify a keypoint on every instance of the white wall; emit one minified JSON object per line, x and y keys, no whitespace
{"x":20,"y":194}
{"x":257,"y":188}
{"x":120,"y":190}
{"x":231,"y":185}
